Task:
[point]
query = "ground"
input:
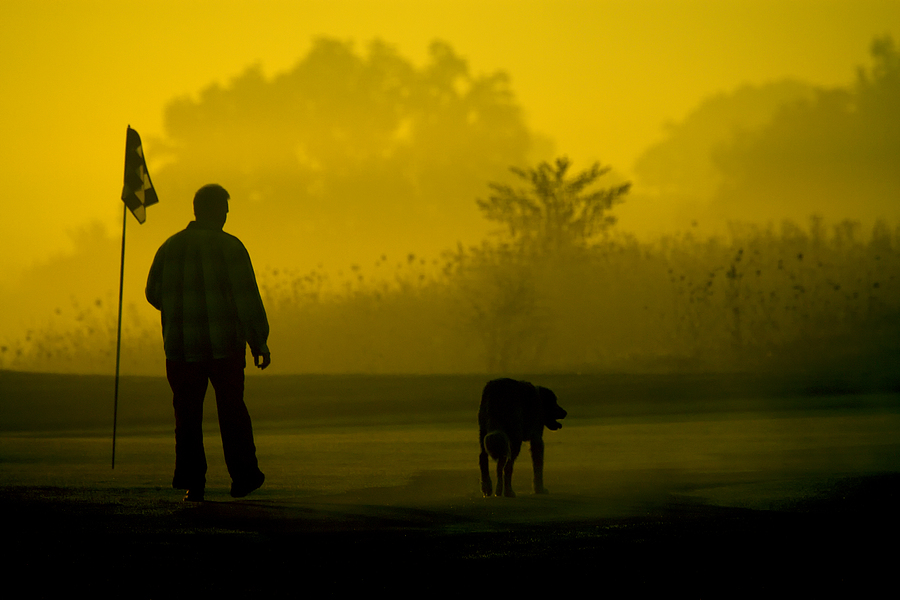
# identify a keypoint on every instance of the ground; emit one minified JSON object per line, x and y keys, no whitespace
{"x":698,"y":490}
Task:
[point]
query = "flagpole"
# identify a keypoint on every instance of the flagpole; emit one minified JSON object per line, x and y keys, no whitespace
{"x":119,"y":334}
{"x":137,"y":195}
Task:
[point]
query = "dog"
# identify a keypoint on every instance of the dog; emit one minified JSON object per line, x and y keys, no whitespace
{"x":512,"y":412}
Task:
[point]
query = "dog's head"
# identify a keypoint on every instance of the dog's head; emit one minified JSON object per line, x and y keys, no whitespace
{"x":551,"y":409}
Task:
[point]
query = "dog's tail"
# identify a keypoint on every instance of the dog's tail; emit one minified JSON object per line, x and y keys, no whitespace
{"x":497,"y":445}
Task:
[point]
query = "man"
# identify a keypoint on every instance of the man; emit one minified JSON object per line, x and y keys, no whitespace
{"x":203,"y":283}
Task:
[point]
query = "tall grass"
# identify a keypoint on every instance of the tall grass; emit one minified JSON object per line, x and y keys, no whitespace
{"x":814,"y":296}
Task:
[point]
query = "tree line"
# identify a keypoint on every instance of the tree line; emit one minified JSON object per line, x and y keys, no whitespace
{"x":558,"y":287}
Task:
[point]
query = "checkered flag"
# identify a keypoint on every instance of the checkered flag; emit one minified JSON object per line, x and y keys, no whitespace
{"x":138,"y":192}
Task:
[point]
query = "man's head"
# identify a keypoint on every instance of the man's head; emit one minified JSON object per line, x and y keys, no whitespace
{"x":211,"y":204}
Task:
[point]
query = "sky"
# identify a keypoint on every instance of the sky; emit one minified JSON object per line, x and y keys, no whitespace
{"x":601,"y":78}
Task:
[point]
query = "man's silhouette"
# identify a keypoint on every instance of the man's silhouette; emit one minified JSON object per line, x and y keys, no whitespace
{"x":203,"y":283}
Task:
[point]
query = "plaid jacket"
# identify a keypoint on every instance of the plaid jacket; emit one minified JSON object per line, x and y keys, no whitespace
{"x":203,"y":283}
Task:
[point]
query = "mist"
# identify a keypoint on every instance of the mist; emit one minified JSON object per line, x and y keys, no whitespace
{"x":762,"y":228}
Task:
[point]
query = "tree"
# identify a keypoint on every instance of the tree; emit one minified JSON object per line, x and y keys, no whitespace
{"x":681,"y":166}
{"x":555,"y":212}
{"x":347,"y":149}
{"x":834,"y":155}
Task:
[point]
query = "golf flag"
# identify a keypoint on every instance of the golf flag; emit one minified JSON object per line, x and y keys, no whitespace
{"x":138,"y":192}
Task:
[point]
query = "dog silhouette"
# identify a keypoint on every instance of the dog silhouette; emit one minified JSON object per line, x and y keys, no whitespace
{"x":513,"y":412}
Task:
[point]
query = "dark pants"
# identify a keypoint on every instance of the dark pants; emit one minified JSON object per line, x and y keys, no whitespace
{"x":189,"y":381}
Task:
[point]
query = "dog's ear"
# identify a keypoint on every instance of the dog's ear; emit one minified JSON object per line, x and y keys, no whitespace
{"x":546,"y":395}
{"x":551,"y":409}
{"x":548,"y":400}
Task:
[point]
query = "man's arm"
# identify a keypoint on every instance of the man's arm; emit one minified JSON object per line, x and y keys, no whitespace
{"x":250,"y":309}
{"x":261,"y":360}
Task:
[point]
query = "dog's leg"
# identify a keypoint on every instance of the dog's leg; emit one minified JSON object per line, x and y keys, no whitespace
{"x":537,"y":460}
{"x":483,"y":462}
{"x":507,"y":475}
{"x":514,"y":449}
{"x":504,"y":475}
{"x":502,"y":481}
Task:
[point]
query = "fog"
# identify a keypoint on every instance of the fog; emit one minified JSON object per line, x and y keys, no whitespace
{"x":763,"y":224}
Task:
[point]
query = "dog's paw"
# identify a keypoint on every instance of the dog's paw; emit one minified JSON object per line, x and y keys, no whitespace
{"x":509,"y":493}
{"x":541,"y":490}
{"x":487,"y":490}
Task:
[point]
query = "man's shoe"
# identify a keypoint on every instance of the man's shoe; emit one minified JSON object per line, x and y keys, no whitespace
{"x":194,"y":495}
{"x":239,"y":489}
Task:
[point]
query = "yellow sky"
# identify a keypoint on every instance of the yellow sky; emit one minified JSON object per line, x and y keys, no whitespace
{"x":598,"y":77}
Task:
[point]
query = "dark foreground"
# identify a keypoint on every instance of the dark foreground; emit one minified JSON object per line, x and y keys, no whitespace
{"x":700,"y":486}
{"x":134,"y":544}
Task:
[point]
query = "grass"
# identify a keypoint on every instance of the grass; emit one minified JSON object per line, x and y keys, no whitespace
{"x":701,"y":485}
{"x":327,"y":436}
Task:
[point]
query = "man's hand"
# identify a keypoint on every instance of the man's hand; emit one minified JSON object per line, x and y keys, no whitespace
{"x":261,"y":360}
